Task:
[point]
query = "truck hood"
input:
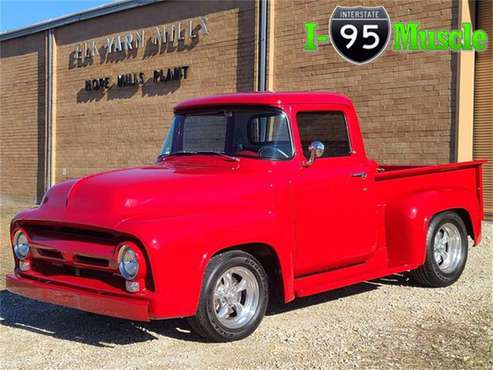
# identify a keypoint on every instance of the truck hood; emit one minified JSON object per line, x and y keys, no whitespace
{"x":169,"y":190}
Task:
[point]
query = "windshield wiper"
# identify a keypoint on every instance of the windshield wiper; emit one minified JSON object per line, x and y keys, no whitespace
{"x":182,"y":152}
{"x":223,"y":155}
{"x":164,"y":156}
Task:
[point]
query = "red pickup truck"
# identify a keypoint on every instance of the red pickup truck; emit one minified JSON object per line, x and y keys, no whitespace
{"x":252,"y":195}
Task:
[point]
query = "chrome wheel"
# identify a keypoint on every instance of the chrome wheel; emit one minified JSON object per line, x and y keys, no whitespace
{"x":447,"y":248}
{"x":236,"y":297}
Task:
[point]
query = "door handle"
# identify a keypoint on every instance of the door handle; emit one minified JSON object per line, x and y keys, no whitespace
{"x":362,"y":174}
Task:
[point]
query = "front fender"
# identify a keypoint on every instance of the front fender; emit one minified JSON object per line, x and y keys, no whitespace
{"x":407,"y":220}
{"x":179,"y":249}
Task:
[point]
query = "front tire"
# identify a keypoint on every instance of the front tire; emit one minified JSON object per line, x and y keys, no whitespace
{"x":446,"y":251}
{"x":234,"y":297}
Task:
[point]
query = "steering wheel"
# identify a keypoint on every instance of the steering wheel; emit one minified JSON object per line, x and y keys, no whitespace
{"x":271,"y":151}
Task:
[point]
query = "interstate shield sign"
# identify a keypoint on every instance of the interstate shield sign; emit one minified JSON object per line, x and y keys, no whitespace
{"x":359,"y":34}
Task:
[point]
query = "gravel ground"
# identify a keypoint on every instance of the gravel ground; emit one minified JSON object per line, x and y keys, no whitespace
{"x":387,"y":323}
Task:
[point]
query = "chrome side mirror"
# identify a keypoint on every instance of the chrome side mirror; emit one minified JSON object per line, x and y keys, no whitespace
{"x":316,"y":150}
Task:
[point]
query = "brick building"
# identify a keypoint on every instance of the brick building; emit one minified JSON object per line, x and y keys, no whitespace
{"x":95,"y":90}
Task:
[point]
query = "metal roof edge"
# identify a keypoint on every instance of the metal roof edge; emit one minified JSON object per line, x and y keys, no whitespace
{"x":98,"y":11}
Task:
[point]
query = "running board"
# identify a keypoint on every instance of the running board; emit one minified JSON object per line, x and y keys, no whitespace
{"x":325,"y":281}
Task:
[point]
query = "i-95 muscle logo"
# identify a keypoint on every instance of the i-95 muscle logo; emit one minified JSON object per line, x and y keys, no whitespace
{"x":360,"y":34}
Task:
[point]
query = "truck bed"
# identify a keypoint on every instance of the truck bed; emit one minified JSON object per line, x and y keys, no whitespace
{"x":401,"y":190}
{"x":386,"y":172}
{"x":394,"y":183}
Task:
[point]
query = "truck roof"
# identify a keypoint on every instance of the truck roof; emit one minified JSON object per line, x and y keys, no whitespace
{"x":265,"y":98}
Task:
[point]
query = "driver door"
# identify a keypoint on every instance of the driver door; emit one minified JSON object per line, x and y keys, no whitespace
{"x":334,"y":203}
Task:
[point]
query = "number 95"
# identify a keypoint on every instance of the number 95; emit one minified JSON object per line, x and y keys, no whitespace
{"x":350,"y":32}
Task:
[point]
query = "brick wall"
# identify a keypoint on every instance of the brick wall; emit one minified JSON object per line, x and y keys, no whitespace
{"x":126,"y":126}
{"x":405,"y":101}
{"x":22,"y":118}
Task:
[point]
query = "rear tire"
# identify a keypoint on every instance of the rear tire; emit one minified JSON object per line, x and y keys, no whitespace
{"x":234,"y":297}
{"x":446,"y":251}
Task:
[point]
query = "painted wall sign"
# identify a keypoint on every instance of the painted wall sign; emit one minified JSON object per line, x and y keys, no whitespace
{"x":135,"y":79}
{"x":161,"y":37}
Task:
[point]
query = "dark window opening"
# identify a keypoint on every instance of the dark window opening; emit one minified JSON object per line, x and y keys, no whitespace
{"x":327,"y":127}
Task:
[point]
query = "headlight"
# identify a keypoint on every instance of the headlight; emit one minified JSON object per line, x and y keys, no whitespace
{"x":128,"y":263}
{"x":21,"y":245}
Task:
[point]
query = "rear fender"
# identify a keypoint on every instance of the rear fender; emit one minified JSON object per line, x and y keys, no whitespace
{"x":406,"y":222}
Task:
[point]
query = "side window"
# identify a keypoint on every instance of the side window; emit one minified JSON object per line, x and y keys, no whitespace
{"x":328,"y":127}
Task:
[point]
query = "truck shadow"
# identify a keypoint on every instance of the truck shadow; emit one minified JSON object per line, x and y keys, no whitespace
{"x":333,"y":295}
{"x":299,"y":303}
{"x":101,"y":331}
{"x":83,"y":327}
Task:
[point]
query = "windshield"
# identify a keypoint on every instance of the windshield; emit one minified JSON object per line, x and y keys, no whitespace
{"x":254,"y":133}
